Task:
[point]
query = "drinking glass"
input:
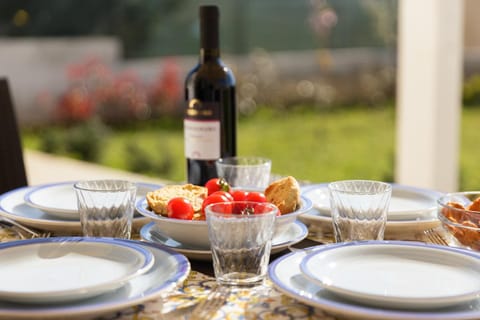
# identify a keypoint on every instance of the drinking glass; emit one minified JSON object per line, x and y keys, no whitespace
{"x":359,"y":209}
{"x":245,"y":172}
{"x":240,"y":234}
{"x":106,"y":207}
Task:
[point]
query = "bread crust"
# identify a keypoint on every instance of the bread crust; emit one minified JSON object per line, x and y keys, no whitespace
{"x":285,"y":194}
{"x":158,"y":200}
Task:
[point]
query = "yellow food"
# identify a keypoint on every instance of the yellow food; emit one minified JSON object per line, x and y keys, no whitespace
{"x":460,"y":214}
{"x":285,"y":194}
{"x":158,"y":200}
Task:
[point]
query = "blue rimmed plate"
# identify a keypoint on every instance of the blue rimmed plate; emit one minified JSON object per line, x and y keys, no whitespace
{"x":59,"y":199}
{"x":55,"y":270}
{"x":411,"y":209}
{"x":402,"y":276}
{"x":295,"y":233}
{"x":287,"y":277}
{"x":169,"y":270}
{"x":13,"y":206}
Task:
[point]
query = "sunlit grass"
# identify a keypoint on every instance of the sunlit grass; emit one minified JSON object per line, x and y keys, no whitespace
{"x":313,"y":145}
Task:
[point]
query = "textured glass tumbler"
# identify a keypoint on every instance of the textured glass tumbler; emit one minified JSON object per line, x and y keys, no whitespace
{"x":240,"y":243}
{"x":359,"y":209}
{"x":106,"y":207}
{"x":245,"y":172}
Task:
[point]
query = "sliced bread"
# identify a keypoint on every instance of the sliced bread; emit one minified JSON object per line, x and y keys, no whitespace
{"x":285,"y":194}
{"x":158,"y":200}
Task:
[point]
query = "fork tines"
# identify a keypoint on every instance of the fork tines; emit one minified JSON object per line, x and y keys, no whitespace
{"x":211,"y":304}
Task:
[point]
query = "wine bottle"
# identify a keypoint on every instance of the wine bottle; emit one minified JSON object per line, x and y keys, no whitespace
{"x":210,"y":113}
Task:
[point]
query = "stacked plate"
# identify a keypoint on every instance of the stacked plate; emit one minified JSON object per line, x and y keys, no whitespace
{"x":295,"y":233}
{"x":190,"y":237}
{"x":383,"y":280}
{"x":75,"y":276}
{"x":411,"y":209}
{"x":53,"y":207}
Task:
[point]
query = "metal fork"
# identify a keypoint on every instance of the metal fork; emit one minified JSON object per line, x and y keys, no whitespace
{"x":22,"y":231}
{"x":434,"y":237}
{"x":209,"y":306}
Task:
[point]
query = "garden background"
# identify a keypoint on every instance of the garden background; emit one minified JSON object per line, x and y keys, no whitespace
{"x":315,"y":82}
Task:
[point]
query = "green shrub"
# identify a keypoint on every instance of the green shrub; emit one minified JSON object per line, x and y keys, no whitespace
{"x":143,"y":161}
{"x":471,"y":91}
{"x":82,"y":141}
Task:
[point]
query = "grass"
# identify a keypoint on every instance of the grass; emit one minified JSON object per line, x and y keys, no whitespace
{"x":313,"y":145}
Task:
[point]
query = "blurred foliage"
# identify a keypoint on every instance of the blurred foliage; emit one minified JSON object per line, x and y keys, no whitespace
{"x":337,"y":149}
{"x":471,"y":90}
{"x":341,"y":143}
{"x":95,"y":90}
{"x":82,"y":141}
{"x":133,"y":22}
{"x":140,"y":159}
{"x":170,"y":27}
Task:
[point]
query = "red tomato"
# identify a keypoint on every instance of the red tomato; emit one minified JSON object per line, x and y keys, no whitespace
{"x":217,"y":184}
{"x":239,"y":195}
{"x":264,"y":208}
{"x":215,"y":198}
{"x":256,"y":197}
{"x":226,"y":194}
{"x":180,"y":208}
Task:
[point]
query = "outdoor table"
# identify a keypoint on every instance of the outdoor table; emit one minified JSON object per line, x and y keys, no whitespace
{"x":241,"y":304}
{"x":270,"y":304}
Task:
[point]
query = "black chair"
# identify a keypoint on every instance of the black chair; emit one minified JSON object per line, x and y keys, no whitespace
{"x":12,"y":167}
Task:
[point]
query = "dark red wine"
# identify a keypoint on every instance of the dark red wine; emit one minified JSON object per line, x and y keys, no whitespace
{"x":210,"y":120}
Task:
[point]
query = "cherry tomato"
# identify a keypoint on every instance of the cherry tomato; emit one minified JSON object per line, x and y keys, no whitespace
{"x":226,"y":194}
{"x":239,"y":195}
{"x":217,"y":184}
{"x":256,"y":197}
{"x":214,"y":198}
{"x":180,"y":208}
{"x":264,"y":207}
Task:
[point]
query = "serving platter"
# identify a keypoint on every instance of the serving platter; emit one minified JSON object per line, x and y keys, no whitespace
{"x":59,"y":199}
{"x":295,"y":233}
{"x":13,"y":206}
{"x":169,"y":270}
{"x":63,"y":269}
{"x":287,"y":277}
{"x":412,"y":209}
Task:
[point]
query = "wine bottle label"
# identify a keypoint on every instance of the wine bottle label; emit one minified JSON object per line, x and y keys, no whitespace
{"x":202,"y":139}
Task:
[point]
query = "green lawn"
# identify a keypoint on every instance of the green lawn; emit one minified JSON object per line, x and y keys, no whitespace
{"x":314,"y":145}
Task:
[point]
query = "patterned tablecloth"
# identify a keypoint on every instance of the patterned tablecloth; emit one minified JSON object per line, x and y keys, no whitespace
{"x":267,"y":303}
{"x":241,"y":304}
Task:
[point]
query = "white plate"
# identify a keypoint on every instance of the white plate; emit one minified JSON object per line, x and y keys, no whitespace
{"x":406,"y":203}
{"x":59,"y":199}
{"x":287,"y":277}
{"x":13,"y":206}
{"x":65,"y":269}
{"x":395,"y":276}
{"x":169,"y":270}
{"x":411,"y":209}
{"x":296,"y":232}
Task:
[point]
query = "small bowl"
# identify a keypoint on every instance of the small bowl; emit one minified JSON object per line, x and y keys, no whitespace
{"x":458,"y":221}
{"x":194,"y":233}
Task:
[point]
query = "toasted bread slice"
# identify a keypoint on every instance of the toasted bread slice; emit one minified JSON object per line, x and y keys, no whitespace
{"x":158,"y":200}
{"x":285,"y":194}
